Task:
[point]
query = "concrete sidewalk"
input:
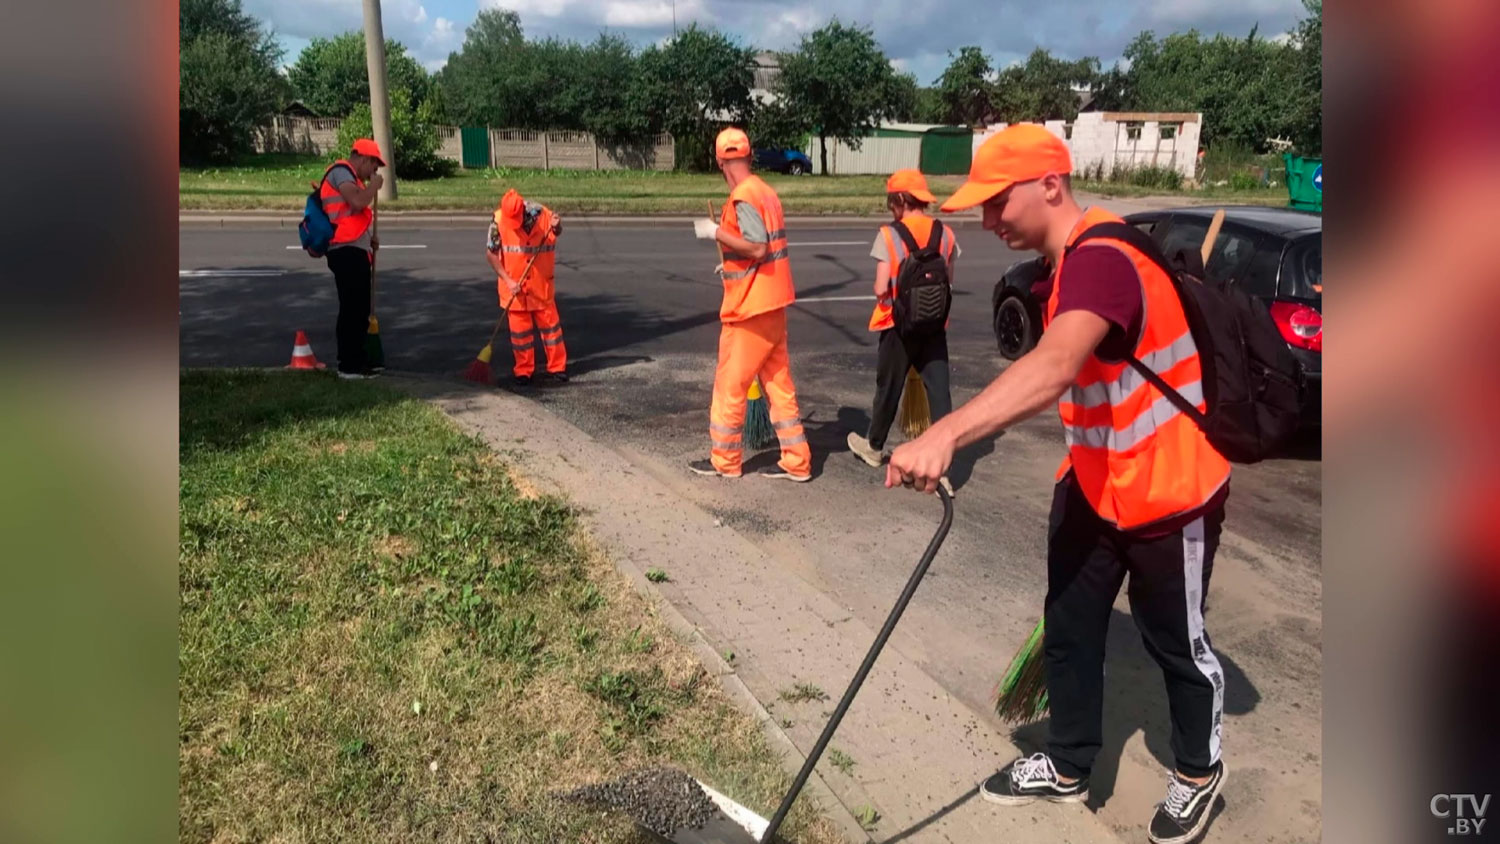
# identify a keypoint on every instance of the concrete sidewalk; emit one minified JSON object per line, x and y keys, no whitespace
{"x":918,"y":752}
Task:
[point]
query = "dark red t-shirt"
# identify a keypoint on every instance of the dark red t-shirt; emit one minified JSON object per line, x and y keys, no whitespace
{"x":1102,"y":280}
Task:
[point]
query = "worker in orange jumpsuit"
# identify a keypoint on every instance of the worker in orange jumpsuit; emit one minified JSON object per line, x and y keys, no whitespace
{"x":521,"y":231}
{"x":758,"y":288}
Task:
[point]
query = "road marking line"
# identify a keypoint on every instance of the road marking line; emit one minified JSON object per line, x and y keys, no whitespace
{"x":389,"y":246}
{"x":830,"y":243}
{"x":229,"y":273}
{"x":836,"y":299}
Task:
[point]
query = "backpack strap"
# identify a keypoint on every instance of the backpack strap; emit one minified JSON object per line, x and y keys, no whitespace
{"x":934,"y":240}
{"x":905,"y":234}
{"x":1142,"y":242}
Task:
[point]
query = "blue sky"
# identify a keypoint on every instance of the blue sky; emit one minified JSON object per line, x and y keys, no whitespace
{"x":915,"y":41}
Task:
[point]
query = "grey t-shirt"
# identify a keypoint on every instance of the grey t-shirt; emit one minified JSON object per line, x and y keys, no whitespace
{"x":341,"y":176}
{"x":752,"y":227}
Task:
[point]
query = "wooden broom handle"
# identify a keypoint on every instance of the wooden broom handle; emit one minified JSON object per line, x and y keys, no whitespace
{"x":1213,"y":235}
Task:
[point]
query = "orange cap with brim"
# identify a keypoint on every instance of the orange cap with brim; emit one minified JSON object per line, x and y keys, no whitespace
{"x":910,"y":181}
{"x":732,"y":143}
{"x":512,"y":209}
{"x":1017,"y":153}
{"x":366,"y":146}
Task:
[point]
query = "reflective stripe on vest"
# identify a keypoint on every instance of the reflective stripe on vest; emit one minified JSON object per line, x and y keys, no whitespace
{"x":1135,"y":456}
{"x":756,"y":287}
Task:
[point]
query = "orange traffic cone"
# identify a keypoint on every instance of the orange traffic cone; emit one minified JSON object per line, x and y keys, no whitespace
{"x":302,"y":354}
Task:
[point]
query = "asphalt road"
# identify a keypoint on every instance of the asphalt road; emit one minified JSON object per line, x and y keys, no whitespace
{"x":639,"y":309}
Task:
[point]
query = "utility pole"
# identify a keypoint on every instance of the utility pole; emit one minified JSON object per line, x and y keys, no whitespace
{"x":380,"y":102}
{"x":674,"y":19}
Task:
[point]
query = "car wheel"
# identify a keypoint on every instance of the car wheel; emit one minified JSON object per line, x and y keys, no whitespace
{"x":1015,"y":331}
{"x":796,"y":168}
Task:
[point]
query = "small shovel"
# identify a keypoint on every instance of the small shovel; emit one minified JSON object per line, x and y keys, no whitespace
{"x":734,"y":823}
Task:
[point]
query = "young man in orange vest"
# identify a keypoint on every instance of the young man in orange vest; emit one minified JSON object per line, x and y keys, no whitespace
{"x":752,"y":340}
{"x":523,"y":230}
{"x":347,"y":191}
{"x":907,"y":197}
{"x":1141,"y":491}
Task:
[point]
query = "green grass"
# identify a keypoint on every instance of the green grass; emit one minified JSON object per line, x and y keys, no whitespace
{"x":841,"y":760}
{"x":803,"y":692}
{"x":383,"y":639}
{"x":280,"y":182}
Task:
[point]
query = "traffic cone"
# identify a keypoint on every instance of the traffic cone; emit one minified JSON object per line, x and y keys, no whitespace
{"x":302,"y":354}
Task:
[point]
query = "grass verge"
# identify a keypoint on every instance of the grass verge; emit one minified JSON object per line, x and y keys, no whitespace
{"x":383,"y":639}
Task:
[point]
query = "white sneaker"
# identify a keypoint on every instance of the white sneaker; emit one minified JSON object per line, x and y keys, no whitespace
{"x":861,"y":448}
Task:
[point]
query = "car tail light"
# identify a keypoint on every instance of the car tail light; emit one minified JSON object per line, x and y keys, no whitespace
{"x":1300,"y":325}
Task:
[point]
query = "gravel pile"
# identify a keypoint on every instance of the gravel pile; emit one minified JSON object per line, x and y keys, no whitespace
{"x":661,"y":799}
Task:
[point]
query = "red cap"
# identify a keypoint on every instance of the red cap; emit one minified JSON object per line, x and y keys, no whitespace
{"x":1018,"y":153}
{"x":365,"y":146}
{"x":910,"y":181}
{"x":732,"y":143}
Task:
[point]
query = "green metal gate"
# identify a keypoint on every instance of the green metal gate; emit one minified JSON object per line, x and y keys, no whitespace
{"x":476,"y":147}
{"x":947,"y":151}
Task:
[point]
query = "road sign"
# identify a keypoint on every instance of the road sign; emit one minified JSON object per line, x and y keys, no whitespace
{"x":1318,"y":178}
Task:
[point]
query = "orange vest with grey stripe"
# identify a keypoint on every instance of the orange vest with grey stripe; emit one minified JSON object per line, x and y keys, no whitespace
{"x":755,"y":287}
{"x":920,"y":226}
{"x":1135,"y":456}
{"x":517,"y":246}
{"x":348,"y":225}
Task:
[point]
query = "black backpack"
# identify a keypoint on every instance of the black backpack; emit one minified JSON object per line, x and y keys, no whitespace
{"x":923,"y":293}
{"x":1251,"y":382}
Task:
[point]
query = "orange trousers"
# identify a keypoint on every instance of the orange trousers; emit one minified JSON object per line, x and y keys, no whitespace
{"x":523,"y":343}
{"x":750,"y":348}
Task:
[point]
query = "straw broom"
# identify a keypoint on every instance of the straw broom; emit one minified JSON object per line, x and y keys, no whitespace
{"x":914,"y":416}
{"x":758,"y":432}
{"x":374,"y":351}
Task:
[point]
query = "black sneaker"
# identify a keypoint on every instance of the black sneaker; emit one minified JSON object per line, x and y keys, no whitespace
{"x":706,"y":467}
{"x":1183,"y":815}
{"x":523,"y":380}
{"x":558,"y":376}
{"x":780,"y":474}
{"x":1029,"y":778}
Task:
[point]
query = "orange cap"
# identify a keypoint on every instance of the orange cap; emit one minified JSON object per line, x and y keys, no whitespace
{"x":732,"y":143}
{"x":1017,"y":153}
{"x":910,"y":181}
{"x":512,"y":208}
{"x":365,"y":146}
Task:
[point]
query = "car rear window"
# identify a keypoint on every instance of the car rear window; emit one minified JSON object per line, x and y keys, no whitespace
{"x":1302,"y":268}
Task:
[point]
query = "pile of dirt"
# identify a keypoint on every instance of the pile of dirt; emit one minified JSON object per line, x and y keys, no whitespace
{"x":661,"y":799}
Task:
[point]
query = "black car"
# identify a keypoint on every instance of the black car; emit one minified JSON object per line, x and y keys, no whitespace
{"x":1274,"y":254}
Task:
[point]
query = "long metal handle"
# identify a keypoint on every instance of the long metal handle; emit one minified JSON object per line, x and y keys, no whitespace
{"x":864,"y":668}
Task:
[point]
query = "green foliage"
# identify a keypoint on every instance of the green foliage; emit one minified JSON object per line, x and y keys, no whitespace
{"x":413,"y":133}
{"x":1041,"y":88}
{"x":228,"y":80}
{"x":965,"y":89}
{"x":331,"y":75}
{"x":841,"y":84}
{"x":691,"y":87}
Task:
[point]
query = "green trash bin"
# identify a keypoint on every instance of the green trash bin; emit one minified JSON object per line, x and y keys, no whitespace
{"x":1304,"y":182}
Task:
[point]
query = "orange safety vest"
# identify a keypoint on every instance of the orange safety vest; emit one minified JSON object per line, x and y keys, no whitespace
{"x":1135,"y":456}
{"x":517,"y":246}
{"x":756,"y":287}
{"x":896,"y":252}
{"x":348,"y":225}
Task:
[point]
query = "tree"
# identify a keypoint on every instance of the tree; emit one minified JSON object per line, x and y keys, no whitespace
{"x":965,"y":88}
{"x":840,"y":83}
{"x":413,"y":134}
{"x":482,"y":82}
{"x":691,"y":86}
{"x":331,"y":76}
{"x":228,"y":83}
{"x":1043,"y":88}
{"x":1307,"y":115}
